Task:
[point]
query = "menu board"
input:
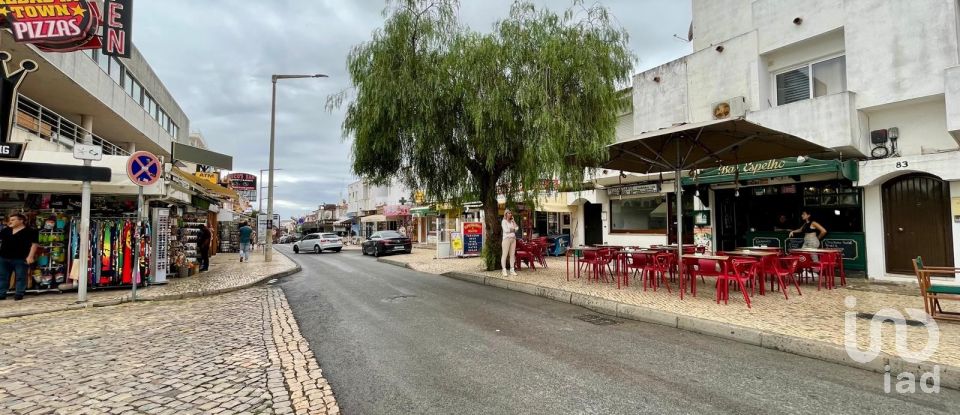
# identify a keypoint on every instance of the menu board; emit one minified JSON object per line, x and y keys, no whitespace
{"x":472,"y":238}
{"x":766,"y":241}
{"x":849,"y":246}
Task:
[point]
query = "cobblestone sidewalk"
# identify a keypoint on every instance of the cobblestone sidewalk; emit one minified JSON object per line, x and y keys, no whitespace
{"x":226,"y":273}
{"x":235,"y":353}
{"x":815,"y":315}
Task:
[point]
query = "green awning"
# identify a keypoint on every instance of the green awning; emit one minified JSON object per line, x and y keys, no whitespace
{"x":775,"y":168}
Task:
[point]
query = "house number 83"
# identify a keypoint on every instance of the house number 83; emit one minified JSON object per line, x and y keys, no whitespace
{"x":902,"y":164}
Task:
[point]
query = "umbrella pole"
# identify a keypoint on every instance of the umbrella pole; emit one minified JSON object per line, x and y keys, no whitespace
{"x":679,"y":193}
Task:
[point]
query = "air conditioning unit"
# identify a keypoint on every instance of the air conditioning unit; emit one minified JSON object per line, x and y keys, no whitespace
{"x":731,"y":108}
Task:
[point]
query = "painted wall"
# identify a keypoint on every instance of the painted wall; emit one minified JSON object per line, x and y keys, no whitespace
{"x":716,"y":21}
{"x":659,"y":104}
{"x":922,"y":125}
{"x":830,"y":120}
{"x":718,"y":76}
{"x":952,"y":100}
{"x":773,"y":20}
{"x":898,"y":49}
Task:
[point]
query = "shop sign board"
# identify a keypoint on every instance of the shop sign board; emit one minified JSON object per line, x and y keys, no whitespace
{"x":638,"y":189}
{"x":87,"y":152}
{"x":456,"y":243}
{"x":210,"y":177}
{"x":396,"y":210}
{"x":773,"y":168}
{"x":244,"y":184}
{"x":144,"y":168}
{"x":117,"y":28}
{"x":264,"y":225}
{"x":472,"y":238}
{"x":64,"y":26}
{"x":11,"y":151}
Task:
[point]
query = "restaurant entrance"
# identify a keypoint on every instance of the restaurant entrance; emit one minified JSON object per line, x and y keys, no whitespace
{"x":592,"y":223}
{"x":764,"y":215}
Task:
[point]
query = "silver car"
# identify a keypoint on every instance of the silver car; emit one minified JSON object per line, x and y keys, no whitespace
{"x":318,"y":242}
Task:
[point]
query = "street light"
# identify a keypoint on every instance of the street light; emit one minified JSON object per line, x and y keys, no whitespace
{"x":268,"y":251}
{"x":260,"y":190}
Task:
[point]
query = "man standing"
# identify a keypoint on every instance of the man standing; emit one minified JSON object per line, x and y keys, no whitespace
{"x":18,"y":250}
{"x":245,"y":233}
{"x":203,"y":247}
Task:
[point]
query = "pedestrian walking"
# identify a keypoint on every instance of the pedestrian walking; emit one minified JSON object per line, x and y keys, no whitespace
{"x":203,"y":247}
{"x":19,"y":246}
{"x":246,"y":232}
{"x":509,"y":244}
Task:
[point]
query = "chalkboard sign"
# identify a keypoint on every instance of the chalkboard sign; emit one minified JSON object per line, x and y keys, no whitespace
{"x":472,"y":244}
{"x":794,"y":243}
{"x":850,"y":247}
{"x":766,"y":241}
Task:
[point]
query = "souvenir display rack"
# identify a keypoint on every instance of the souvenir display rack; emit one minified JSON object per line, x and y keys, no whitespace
{"x":189,"y":236}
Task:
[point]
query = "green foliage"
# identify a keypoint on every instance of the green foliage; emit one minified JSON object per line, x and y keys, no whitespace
{"x":456,"y":113}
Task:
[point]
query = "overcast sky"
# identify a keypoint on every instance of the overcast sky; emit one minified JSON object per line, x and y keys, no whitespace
{"x":216,"y":58}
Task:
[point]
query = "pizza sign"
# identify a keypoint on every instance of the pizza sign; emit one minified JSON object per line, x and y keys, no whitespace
{"x":53,"y":25}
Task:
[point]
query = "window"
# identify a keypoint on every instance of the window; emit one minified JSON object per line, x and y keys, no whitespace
{"x":645,"y":215}
{"x":115,"y":70}
{"x":103,"y":61}
{"x":136,"y":91}
{"x":828,"y":77}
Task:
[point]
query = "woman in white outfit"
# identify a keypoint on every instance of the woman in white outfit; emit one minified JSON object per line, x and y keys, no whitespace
{"x":811,"y":230}
{"x":509,"y":244}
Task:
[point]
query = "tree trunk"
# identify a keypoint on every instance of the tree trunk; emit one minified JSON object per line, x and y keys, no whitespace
{"x":493,"y":234}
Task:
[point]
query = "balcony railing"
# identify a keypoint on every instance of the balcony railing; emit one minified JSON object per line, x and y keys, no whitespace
{"x":50,"y":126}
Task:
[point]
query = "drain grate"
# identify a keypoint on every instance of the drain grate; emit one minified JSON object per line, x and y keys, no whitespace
{"x":597,"y":319}
{"x":894,"y":320}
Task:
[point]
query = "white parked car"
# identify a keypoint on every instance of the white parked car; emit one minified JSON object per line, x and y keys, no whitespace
{"x":318,"y":242}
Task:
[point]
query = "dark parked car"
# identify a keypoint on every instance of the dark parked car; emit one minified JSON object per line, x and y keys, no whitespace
{"x":386,"y":242}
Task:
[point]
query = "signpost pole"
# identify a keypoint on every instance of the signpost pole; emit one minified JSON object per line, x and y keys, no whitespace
{"x":83,"y":262}
{"x":83,"y":274}
{"x":136,"y":244}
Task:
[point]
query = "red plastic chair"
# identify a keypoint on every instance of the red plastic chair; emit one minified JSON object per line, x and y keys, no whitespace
{"x":524,"y":255}
{"x":659,"y":269}
{"x":785,"y":270}
{"x":638,"y":264}
{"x":739,"y":272}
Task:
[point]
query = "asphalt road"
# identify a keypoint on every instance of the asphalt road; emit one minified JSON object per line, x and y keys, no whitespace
{"x":395,"y":341}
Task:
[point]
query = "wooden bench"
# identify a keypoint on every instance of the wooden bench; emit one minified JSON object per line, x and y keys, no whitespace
{"x":933,"y":293}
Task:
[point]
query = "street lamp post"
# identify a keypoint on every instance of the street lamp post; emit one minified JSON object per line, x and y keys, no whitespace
{"x":260,"y":190}
{"x":268,"y":251}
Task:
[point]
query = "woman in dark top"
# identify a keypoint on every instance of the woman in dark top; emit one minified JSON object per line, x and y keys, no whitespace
{"x":811,"y":230}
{"x":18,"y":250}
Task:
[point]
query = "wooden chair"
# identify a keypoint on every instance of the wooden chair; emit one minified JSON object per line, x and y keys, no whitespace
{"x":933,"y":293}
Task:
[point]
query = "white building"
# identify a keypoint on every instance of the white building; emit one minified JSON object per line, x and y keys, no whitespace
{"x":832,"y":72}
{"x":378,"y":207}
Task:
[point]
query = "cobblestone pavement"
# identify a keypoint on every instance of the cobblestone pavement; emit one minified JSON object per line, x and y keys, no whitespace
{"x":226,"y":273}
{"x":236,"y":353}
{"x":816,"y":315}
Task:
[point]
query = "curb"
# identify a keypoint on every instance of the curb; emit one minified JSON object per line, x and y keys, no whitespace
{"x":167,"y":297}
{"x":815,"y":349}
{"x":394,"y":262}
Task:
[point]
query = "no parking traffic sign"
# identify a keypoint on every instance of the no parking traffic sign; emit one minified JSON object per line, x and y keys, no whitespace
{"x":143,"y":168}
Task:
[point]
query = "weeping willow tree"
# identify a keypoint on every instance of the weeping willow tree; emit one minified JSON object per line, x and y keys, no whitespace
{"x":463,"y":115}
